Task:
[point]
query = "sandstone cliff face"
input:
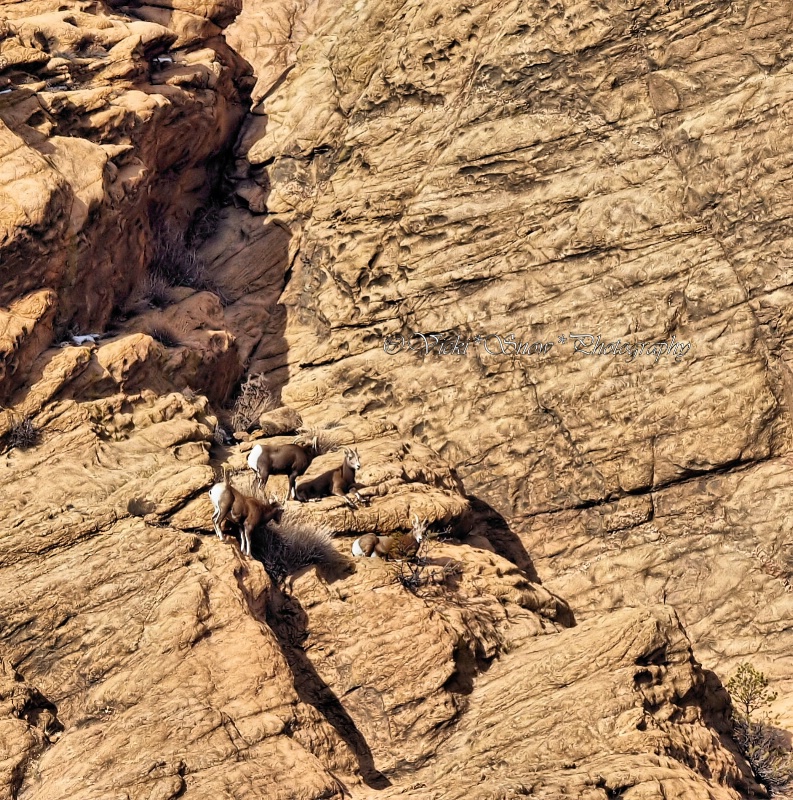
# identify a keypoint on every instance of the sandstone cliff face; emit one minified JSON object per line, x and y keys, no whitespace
{"x":548,"y":170}
{"x":151,"y":660}
{"x":542,"y":170}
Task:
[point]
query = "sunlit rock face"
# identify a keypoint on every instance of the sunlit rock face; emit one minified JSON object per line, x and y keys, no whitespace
{"x":608,"y":183}
{"x":535,"y":186}
{"x":109,"y":127}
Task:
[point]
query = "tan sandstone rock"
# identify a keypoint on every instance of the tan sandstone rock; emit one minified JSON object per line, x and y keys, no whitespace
{"x":547,"y":172}
{"x":537,"y":169}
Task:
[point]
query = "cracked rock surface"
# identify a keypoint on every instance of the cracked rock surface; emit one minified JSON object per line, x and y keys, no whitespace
{"x":556,"y":170}
{"x":615,"y":532}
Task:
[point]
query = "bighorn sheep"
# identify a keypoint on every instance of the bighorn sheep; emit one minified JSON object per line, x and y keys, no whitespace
{"x":398,"y":546}
{"x":285,"y":459}
{"x":337,"y":482}
{"x":248,"y":512}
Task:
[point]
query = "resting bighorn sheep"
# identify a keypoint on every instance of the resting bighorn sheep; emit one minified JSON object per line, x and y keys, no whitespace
{"x":335,"y":482}
{"x":245,"y":511}
{"x":285,"y":459}
{"x":397,"y":546}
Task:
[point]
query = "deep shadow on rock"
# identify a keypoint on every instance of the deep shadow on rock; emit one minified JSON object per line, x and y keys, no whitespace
{"x":484,"y":520}
{"x":289,"y":622}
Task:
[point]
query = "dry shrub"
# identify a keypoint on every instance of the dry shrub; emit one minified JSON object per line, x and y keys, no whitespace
{"x":204,"y":224}
{"x":761,"y":745}
{"x":417,"y":572}
{"x":292,"y":545}
{"x":140,"y":506}
{"x":173,"y":261}
{"x":254,"y":399}
{"x":23,"y":434}
{"x":156,"y":291}
{"x":220,"y":434}
{"x":320,"y":438}
{"x":165,"y":336}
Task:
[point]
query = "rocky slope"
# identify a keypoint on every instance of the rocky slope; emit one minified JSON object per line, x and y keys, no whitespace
{"x":405,"y":168}
{"x":109,"y":126}
{"x":557,"y":170}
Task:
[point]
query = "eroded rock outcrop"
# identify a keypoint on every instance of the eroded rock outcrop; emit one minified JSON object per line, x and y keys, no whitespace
{"x":550,"y":171}
{"x":640,"y":735}
{"x":419,"y":167}
{"x":107,"y":127}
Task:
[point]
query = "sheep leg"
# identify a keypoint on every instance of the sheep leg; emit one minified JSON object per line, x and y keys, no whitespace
{"x":353,"y":490}
{"x":337,"y":489}
{"x":346,"y":498}
{"x":337,"y":493}
{"x":221,"y":512}
{"x":252,"y":518}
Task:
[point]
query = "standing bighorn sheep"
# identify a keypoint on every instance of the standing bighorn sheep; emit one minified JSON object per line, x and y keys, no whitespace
{"x":242,"y":510}
{"x":398,"y":546}
{"x":335,"y":482}
{"x":285,"y":459}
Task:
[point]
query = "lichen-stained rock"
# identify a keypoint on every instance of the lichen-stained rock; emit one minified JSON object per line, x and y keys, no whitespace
{"x":110,"y":452}
{"x":645,"y":730}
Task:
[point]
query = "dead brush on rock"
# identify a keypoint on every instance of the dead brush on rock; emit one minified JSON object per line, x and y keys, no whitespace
{"x":165,"y":335}
{"x":204,"y":223}
{"x":255,"y":398}
{"x":156,"y":292}
{"x":756,"y":733}
{"x":220,"y":435}
{"x":173,"y":260}
{"x":321,"y":439}
{"x":23,"y":434}
{"x":292,"y":545}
